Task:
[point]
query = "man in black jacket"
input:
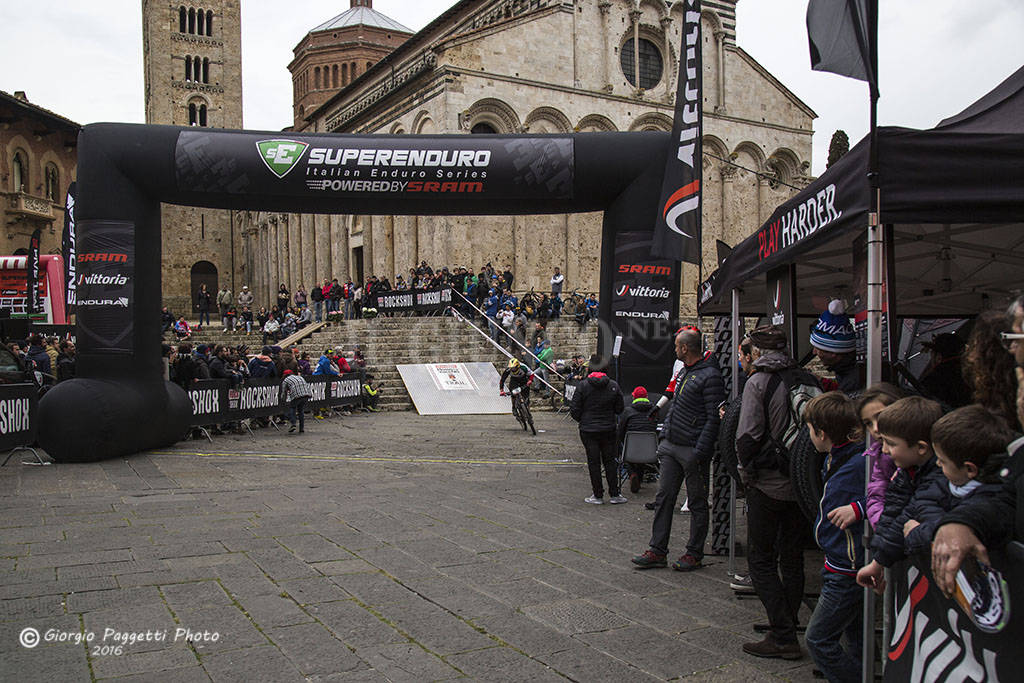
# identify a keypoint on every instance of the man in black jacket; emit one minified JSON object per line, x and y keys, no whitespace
{"x":595,"y":403}
{"x":691,"y":431}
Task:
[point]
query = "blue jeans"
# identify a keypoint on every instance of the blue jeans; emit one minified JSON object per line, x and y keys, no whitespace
{"x":318,"y":310}
{"x":838,"y":612}
{"x":204,"y":314}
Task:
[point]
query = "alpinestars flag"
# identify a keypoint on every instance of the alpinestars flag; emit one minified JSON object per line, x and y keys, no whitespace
{"x":677,"y":234}
{"x":839,"y":38}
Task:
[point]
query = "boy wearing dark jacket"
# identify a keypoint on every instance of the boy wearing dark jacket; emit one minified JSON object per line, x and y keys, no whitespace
{"x":636,"y":418}
{"x":905,"y":428}
{"x":595,"y":403}
{"x":834,"y":429}
{"x":970,"y":449}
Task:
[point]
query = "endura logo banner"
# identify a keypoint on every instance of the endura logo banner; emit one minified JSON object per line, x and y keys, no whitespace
{"x":375,"y":166}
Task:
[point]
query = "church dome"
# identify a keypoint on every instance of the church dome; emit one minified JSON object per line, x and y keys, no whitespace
{"x":362,"y":13}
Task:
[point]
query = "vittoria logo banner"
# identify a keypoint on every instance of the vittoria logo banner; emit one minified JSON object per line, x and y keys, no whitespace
{"x":105,"y":284}
{"x":376,"y":167}
{"x":677,"y":234}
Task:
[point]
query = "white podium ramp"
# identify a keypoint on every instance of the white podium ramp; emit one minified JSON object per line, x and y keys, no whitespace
{"x":455,"y":388}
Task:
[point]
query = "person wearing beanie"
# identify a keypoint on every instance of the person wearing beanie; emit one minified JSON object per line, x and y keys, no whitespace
{"x":296,"y":392}
{"x":636,"y":418}
{"x":835,"y":343}
{"x":776,"y":525}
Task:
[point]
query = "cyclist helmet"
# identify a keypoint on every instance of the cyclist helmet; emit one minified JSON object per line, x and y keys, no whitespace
{"x":513,"y":363}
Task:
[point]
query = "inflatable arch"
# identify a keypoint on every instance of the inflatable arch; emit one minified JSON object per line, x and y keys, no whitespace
{"x":119,"y":403}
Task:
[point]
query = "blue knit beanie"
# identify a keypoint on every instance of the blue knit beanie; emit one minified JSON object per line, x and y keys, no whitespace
{"x":834,"y":332}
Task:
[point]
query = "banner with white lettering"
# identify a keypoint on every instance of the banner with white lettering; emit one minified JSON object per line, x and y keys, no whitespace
{"x":105,"y":264}
{"x":643,"y":290}
{"x":412,"y":300}
{"x":377,"y":167}
{"x":18,"y":404}
{"x":216,"y":401}
{"x":33,"y":302}
{"x":209,"y":399}
{"x":934,"y":639}
{"x":677,"y":233}
{"x":67,"y":243}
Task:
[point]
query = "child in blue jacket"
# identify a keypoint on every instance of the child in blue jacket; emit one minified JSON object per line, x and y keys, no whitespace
{"x":835,"y":429}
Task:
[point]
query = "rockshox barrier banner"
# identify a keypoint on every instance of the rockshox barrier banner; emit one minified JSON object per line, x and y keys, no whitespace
{"x":18,"y":415}
{"x":936,"y":638}
{"x":33,"y":302}
{"x":643,"y":289}
{"x":67,"y":244}
{"x":412,"y":300}
{"x":677,"y":233}
{"x":106,"y":285}
{"x":217,"y":401}
{"x":375,"y":167}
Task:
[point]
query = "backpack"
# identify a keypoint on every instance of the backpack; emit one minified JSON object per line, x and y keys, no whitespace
{"x":801,"y":387}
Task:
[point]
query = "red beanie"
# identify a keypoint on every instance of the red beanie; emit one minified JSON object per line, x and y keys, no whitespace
{"x":288,"y":372}
{"x":639,"y":392}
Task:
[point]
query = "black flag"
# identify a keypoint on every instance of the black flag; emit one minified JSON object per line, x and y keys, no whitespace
{"x":839,"y":38}
{"x":33,"y":304}
{"x":677,"y":233}
{"x":68,"y":250}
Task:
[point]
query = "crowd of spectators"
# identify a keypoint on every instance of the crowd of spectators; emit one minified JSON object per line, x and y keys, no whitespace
{"x":53,"y":358}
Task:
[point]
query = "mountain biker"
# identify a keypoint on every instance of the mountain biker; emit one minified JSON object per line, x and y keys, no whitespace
{"x":518,"y":376}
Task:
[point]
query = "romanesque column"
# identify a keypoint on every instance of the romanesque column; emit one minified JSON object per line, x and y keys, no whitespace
{"x":635,"y":16}
{"x":295,"y":252}
{"x":728,"y":172}
{"x":605,"y":6}
{"x":720,"y":41}
{"x":667,"y":66}
{"x":308,"y":255}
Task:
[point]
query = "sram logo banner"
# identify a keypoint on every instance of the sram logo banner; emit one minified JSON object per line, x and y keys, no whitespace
{"x":280,"y":156}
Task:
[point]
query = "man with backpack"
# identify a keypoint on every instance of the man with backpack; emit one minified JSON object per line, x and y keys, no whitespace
{"x":773,"y":398}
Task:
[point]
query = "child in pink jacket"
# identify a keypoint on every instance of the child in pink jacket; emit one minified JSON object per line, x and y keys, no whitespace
{"x":873,"y":401}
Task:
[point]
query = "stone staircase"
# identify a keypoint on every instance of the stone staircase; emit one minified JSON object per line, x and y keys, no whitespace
{"x":388,"y":342}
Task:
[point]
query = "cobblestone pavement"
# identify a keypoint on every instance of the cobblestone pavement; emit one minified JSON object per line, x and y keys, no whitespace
{"x":373,"y":547}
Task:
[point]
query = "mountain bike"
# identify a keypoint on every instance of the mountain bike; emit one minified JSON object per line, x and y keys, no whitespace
{"x":573,"y":305}
{"x":521,"y":410}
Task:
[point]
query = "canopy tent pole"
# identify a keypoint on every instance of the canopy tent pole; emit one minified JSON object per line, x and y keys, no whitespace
{"x":734,"y":392}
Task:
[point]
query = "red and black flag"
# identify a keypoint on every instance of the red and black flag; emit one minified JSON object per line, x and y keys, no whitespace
{"x":677,"y":235}
{"x":838,"y":31}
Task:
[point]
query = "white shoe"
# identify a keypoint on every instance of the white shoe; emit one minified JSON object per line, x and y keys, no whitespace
{"x":615,"y":500}
{"x":686,"y":506}
{"x":593,"y":501}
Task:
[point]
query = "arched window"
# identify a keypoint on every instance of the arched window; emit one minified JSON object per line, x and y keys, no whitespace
{"x":209,"y":22}
{"x":182,"y":20}
{"x":483,"y":129}
{"x":334,"y":76}
{"x":193,"y":115}
{"x":650,"y":67}
{"x":344,"y":74}
{"x":206,"y":70}
{"x":188,"y":68}
{"x":20,"y":171}
{"x":191,"y":20}
{"x":52,"y":177}
{"x":316,"y":78}
{"x":202,"y":115}
{"x":201,"y":22}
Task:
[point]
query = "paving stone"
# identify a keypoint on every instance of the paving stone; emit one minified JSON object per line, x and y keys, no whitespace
{"x":314,"y":650}
{"x":234,"y":629}
{"x":240,"y":587}
{"x":502,"y":663}
{"x":110,"y":569}
{"x":730,"y":643}
{"x":64,"y":662}
{"x":178,"y":550}
{"x":265,"y":663}
{"x":281,"y":564}
{"x":337,"y":567}
{"x":18,"y":609}
{"x":177,"y":656}
{"x":191,"y":674}
{"x":636,"y":644}
{"x":374,"y":588}
{"x":738,"y":672}
{"x":269,"y":611}
{"x":314,"y":548}
{"x":190,"y":596}
{"x":68,"y":559}
{"x":576,"y":616}
{"x":523,"y":633}
{"x":445,"y":634}
{"x":583,"y":663}
{"x":524,"y":593}
{"x":354,"y":625}
{"x":408,"y":662}
{"x":106,"y":599}
{"x":318,"y":589}
{"x":40,"y":588}
{"x":133,"y":619}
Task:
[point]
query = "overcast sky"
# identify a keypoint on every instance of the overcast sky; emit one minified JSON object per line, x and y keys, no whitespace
{"x":83,"y":59}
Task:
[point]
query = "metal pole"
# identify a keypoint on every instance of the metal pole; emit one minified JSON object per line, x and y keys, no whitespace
{"x":734,"y":393}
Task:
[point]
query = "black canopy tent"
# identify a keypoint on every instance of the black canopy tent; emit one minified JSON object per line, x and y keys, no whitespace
{"x":952,"y":199}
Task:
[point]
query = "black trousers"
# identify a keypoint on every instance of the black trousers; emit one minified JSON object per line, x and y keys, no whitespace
{"x":775,"y":531}
{"x":600,"y":447}
{"x":679,"y":464}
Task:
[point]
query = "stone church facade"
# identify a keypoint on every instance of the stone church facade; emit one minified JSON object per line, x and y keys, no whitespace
{"x":544,"y":66}
{"x":192,"y":60}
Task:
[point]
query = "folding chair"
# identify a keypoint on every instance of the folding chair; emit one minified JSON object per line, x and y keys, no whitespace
{"x":638,"y":448}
